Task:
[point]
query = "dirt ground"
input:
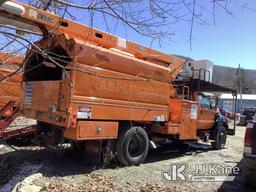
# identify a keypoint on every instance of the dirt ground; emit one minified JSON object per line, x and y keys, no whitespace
{"x":26,"y":168}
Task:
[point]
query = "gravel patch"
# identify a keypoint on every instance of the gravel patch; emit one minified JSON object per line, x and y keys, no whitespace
{"x":65,"y":171}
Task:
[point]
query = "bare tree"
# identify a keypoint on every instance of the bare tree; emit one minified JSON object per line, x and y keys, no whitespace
{"x":154,"y":18}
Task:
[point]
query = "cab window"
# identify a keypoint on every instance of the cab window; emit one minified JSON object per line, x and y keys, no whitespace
{"x":204,"y":102}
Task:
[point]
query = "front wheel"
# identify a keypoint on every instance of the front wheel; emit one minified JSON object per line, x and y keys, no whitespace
{"x":132,"y":146}
{"x":220,"y":137}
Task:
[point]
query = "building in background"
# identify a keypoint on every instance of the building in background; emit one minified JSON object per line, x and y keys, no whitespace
{"x":206,"y":73}
{"x":248,"y":101}
{"x":200,"y":69}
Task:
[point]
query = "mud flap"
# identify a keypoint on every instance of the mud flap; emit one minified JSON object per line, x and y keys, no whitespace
{"x":92,"y":152}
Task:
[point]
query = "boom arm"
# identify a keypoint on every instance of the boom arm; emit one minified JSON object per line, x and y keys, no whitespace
{"x":28,"y":17}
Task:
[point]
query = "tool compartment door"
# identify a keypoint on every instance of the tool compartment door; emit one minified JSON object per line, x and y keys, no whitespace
{"x":185,"y":114}
{"x":188,"y":120}
{"x":45,"y":96}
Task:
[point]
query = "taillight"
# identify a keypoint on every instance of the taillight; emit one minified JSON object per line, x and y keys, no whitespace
{"x":248,"y":134}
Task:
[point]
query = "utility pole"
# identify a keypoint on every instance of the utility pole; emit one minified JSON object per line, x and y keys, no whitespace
{"x":240,"y":88}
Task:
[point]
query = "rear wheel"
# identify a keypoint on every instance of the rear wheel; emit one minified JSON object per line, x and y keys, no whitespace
{"x":132,"y":146}
{"x":220,"y":137}
{"x":249,"y":171}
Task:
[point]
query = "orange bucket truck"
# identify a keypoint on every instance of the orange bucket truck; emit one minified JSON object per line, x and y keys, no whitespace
{"x":105,"y":94}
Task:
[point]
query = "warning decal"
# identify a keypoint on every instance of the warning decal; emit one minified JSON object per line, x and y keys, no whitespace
{"x":84,"y":112}
{"x":193,"y":113}
{"x":28,"y":93}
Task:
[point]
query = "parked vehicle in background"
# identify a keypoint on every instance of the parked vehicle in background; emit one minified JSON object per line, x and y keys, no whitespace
{"x":228,"y":114}
{"x":248,"y":115}
{"x":249,"y":159}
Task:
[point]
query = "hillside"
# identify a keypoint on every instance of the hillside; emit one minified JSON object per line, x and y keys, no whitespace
{"x":226,"y":76}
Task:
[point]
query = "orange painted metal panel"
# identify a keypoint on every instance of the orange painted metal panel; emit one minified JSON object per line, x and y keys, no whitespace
{"x":129,"y":82}
{"x":185,"y":113}
{"x":52,"y":23}
{"x":189,"y":124}
{"x":43,"y":95}
{"x":117,"y":98}
{"x":108,"y":110}
{"x":57,"y":118}
{"x":143,"y":90}
{"x":101,"y":111}
{"x":9,"y":92}
{"x":85,"y":53}
{"x":5,"y":72}
{"x":10,"y":88}
{"x":90,"y":130}
{"x":71,"y":133}
{"x":175,"y":110}
{"x":206,"y":118}
{"x":168,"y":129}
{"x":11,"y":59}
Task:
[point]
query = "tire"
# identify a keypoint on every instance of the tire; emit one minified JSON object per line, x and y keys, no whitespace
{"x":132,"y":146}
{"x":77,"y":146}
{"x":220,"y":137}
{"x":248,"y":177}
{"x":42,"y":127}
{"x":249,"y":171}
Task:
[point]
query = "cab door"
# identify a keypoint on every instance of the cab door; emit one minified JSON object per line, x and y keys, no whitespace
{"x":206,"y":113}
